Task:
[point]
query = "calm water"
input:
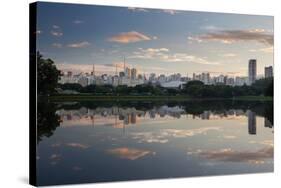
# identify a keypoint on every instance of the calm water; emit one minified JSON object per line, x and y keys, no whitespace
{"x":99,"y":142}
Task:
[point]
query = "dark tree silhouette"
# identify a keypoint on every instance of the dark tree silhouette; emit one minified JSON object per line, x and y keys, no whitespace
{"x":47,"y":75}
{"x":47,"y":119}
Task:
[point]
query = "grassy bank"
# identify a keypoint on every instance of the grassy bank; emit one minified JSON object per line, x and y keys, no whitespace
{"x":87,"y":97}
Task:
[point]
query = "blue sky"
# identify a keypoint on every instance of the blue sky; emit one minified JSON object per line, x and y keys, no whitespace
{"x":152,"y":40}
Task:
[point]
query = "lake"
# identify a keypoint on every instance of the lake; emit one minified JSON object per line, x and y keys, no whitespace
{"x":85,"y":142}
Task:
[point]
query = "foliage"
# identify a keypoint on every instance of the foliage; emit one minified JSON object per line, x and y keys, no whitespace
{"x":47,"y":75}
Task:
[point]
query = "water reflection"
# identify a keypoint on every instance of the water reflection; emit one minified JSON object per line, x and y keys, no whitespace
{"x":91,"y":141}
{"x":252,"y":122}
{"x":119,"y":117}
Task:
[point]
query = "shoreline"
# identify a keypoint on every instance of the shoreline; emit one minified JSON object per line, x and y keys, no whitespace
{"x":87,"y":97}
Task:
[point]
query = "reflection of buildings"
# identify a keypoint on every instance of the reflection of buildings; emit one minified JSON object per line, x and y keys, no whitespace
{"x":118,"y":117}
{"x":206,"y":115}
{"x":267,"y":123}
{"x":252,"y":122}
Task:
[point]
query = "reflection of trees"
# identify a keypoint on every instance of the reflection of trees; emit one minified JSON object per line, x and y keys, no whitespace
{"x":195,"y":107}
{"x":201,"y":108}
{"x":47,"y":119}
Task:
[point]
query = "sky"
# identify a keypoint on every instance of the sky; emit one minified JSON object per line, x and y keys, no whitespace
{"x":152,"y":40}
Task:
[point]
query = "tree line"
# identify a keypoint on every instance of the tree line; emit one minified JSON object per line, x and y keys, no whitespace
{"x":192,"y":88}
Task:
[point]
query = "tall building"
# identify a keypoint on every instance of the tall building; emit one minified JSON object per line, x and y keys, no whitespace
{"x":205,"y":78}
{"x":240,"y":81}
{"x":134,"y":73}
{"x":69,"y":73}
{"x":93,"y":71}
{"x":252,"y":71}
{"x":128,"y":72}
{"x":268,"y":72}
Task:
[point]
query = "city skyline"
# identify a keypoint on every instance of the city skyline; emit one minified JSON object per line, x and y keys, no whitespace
{"x":153,"y":40}
{"x":131,"y":77}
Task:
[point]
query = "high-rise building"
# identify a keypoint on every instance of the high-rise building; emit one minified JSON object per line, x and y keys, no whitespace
{"x":128,"y":72}
{"x":69,"y":73}
{"x":252,"y":71}
{"x":121,"y":74}
{"x":205,"y":78}
{"x":134,"y":73}
{"x":268,"y":72}
{"x":93,"y":71}
{"x":240,"y":81}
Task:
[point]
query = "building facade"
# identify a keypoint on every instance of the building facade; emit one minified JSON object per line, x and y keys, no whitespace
{"x":268,"y":72}
{"x":252,"y":71}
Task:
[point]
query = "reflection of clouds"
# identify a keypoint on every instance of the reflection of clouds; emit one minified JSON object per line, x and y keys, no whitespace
{"x":55,"y":158}
{"x":164,"y":135}
{"x":150,"y":137}
{"x":76,"y":168}
{"x":192,"y":132}
{"x":229,"y":137}
{"x":71,"y":144}
{"x":230,"y":155}
{"x":77,"y":145}
{"x":129,"y":153}
{"x":264,"y":142}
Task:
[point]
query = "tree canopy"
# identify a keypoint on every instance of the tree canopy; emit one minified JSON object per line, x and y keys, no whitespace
{"x":47,"y":75}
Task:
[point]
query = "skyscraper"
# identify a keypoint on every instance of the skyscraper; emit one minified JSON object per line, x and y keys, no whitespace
{"x":252,"y":74}
{"x":128,"y":72}
{"x":134,"y":73}
{"x":268,"y":72}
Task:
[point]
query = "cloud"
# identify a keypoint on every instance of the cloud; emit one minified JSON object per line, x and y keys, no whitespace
{"x":56,"y":33}
{"x":78,"y":21}
{"x":79,"y":44}
{"x":265,"y":50}
{"x":129,"y":153}
{"x":230,"y":155}
{"x":57,"y":45}
{"x":229,"y":55}
{"x":210,"y":27}
{"x":134,"y":9}
{"x":164,"y":54}
{"x":170,"y":11}
{"x":78,"y":68}
{"x":232,"y":36}
{"x":129,"y":37}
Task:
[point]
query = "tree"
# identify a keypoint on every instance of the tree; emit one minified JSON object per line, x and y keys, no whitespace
{"x":269,"y":89}
{"x":47,"y":75}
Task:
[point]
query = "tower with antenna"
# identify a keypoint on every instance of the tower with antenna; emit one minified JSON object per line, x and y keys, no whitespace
{"x":124,"y":64}
{"x":94,"y":70}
